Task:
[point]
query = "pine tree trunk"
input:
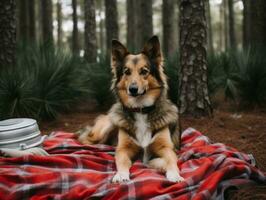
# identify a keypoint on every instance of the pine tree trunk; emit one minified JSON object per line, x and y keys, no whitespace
{"x":221,"y":28}
{"x":75,"y":39}
{"x":59,"y":22}
{"x":168,"y":28}
{"x":7,"y":33}
{"x":47,"y":21}
{"x":102,"y":28}
{"x":111,"y":22}
{"x":258,"y":25}
{"x":145,"y":20}
{"x":138,"y":26}
{"x":23,"y":21}
{"x":246,"y":23}
{"x":193,"y":95}
{"x":131,"y":21}
{"x":90,"y":32}
{"x":232,"y":35}
{"x":32,"y":20}
{"x":226,"y":33}
{"x":209,"y":30}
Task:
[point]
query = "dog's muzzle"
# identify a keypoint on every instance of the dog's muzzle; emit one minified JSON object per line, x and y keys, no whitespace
{"x":133,"y":90}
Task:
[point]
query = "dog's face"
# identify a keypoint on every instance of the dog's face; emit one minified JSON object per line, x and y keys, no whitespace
{"x":138,"y":79}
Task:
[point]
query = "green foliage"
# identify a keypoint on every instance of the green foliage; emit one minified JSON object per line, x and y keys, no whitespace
{"x":221,"y":73}
{"x":251,"y":79}
{"x":47,"y":81}
{"x":172,"y":71}
{"x":100,"y":81}
{"x":242,"y":75}
{"x":44,"y":82}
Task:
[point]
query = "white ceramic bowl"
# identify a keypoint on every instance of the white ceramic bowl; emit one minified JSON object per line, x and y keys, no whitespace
{"x":20,"y":133}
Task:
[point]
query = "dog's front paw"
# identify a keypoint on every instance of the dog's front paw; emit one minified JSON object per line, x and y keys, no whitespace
{"x":121,"y":177}
{"x":174,"y":176}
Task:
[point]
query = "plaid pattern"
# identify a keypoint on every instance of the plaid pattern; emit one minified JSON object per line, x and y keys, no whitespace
{"x":75,"y":171}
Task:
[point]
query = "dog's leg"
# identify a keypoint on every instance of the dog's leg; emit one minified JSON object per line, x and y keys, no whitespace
{"x":125,"y":151}
{"x":99,"y":132}
{"x":163,"y":147}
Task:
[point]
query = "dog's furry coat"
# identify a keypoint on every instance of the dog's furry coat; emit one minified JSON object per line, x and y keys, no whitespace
{"x":147,"y":122}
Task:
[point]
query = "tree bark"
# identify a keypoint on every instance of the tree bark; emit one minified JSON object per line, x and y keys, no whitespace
{"x":75,"y":39}
{"x":246,"y":23}
{"x":193,"y":88}
{"x":145,"y":20}
{"x":32,"y":20}
{"x":111,"y":22}
{"x":168,"y":28}
{"x":47,"y":21}
{"x":23,"y":21}
{"x":131,"y":23}
{"x":102,"y":27}
{"x":258,"y":25}
{"x":232,"y":35}
{"x":226,"y":33}
{"x":221,"y":28}
{"x":209,"y":30}
{"x":7,"y":32}
{"x":90,"y":31}
{"x":59,"y":22}
{"x":138,"y":26}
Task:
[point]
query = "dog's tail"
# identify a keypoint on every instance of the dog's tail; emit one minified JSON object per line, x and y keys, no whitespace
{"x":99,"y":133}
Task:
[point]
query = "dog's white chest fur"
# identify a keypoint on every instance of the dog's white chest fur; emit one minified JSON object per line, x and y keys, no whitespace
{"x":143,"y":132}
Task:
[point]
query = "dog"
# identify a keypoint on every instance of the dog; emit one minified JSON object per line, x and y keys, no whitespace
{"x":143,"y":119}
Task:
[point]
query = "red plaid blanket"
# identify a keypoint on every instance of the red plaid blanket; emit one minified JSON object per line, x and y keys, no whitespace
{"x":75,"y":171}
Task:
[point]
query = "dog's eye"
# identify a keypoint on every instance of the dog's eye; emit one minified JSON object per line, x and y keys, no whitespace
{"x":127,"y":72}
{"x":144,"y":71}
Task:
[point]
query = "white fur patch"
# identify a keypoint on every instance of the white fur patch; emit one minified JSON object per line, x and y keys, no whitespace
{"x":173,"y":176}
{"x":136,"y":102}
{"x":143,"y":132}
{"x":120,"y":177}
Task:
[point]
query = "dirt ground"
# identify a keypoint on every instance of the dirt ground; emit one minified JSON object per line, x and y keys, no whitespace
{"x":245,"y":131}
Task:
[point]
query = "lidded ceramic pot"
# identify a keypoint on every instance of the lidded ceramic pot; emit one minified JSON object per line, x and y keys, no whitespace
{"x":20,"y":133}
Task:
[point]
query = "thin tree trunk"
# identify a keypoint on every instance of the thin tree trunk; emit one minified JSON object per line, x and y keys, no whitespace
{"x":258,"y":25}
{"x":232,"y":36}
{"x":209,"y":30}
{"x":226,"y":33}
{"x":168,"y":28}
{"x":194,"y":96}
{"x":246,"y":23}
{"x":47,"y":21}
{"x":111,"y":21}
{"x":131,"y":20}
{"x":90,"y":31}
{"x":221,"y":27}
{"x":137,"y":26}
{"x":23,"y":21}
{"x":7,"y":32}
{"x":75,"y":39}
{"x":59,"y":22}
{"x":32,"y":20}
{"x":102,"y":28}
{"x":145,"y":20}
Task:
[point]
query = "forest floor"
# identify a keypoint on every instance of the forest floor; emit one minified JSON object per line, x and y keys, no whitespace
{"x":245,"y":130}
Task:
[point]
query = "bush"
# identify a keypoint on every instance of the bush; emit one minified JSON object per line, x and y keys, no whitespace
{"x":172,"y":71}
{"x":251,"y":78}
{"x":100,"y":81}
{"x":44,"y":82}
{"x":242,"y":76}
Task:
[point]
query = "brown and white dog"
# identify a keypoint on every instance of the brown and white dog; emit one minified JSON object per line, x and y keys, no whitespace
{"x":144,"y":119}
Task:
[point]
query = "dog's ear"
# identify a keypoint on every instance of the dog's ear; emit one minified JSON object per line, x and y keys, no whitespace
{"x":152,"y":49}
{"x":119,"y":51}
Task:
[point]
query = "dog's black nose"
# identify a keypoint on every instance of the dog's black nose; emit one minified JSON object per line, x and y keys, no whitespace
{"x":133,"y":90}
